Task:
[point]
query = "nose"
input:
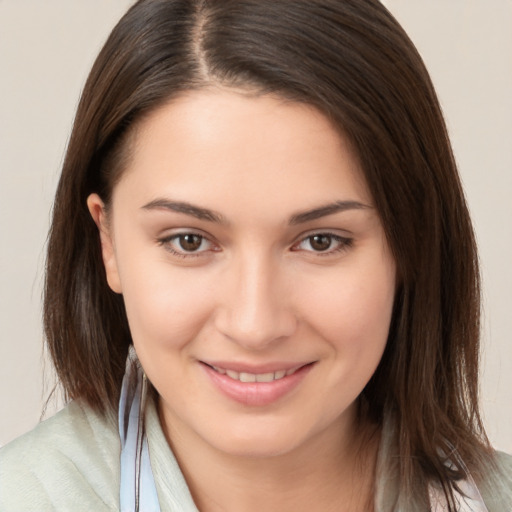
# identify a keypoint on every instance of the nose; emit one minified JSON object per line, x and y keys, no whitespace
{"x":256,"y":309}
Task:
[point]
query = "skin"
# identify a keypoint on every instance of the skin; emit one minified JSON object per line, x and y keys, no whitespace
{"x":256,"y":290}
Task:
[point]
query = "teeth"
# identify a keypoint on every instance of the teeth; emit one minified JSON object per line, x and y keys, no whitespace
{"x":265,"y":377}
{"x":233,"y":375}
{"x":255,"y":377}
{"x":247,"y":377}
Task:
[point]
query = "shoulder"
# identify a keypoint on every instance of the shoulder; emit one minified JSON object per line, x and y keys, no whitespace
{"x":68,"y":462}
{"x":504,"y":461}
{"x":497,"y":485}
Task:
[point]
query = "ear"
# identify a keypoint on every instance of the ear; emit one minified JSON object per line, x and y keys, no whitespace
{"x":97,"y":210}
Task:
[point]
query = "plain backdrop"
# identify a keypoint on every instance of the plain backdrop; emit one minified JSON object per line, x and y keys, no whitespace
{"x":46,"y":50}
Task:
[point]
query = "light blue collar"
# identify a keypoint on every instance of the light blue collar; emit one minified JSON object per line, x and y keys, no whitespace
{"x":137,"y":489}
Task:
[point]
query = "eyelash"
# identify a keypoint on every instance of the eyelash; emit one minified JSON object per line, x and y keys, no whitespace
{"x":344,"y":243}
{"x":166,"y":242}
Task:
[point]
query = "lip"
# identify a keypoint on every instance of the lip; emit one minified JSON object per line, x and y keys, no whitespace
{"x":260,"y":368}
{"x":256,"y":394}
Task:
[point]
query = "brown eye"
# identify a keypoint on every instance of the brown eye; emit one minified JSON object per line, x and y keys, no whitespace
{"x":323,"y":244}
{"x":320,"y":242}
{"x":190,"y":242}
{"x":187,"y":244}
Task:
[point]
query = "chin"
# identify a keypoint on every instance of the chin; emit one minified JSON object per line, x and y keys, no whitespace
{"x":258,"y":439}
{"x":261,"y":447}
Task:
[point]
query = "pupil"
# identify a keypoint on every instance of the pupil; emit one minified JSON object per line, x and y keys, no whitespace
{"x":320,"y":242}
{"x":190,"y":242}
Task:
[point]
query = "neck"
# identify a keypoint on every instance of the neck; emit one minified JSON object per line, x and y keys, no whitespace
{"x":333,"y":471}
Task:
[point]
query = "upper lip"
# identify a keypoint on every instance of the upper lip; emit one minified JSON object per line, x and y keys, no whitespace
{"x":270,"y":367}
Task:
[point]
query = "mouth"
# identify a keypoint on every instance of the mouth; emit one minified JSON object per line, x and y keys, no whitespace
{"x":244,"y":376}
{"x":256,"y":386}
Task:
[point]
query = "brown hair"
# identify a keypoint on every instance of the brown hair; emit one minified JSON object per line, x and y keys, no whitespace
{"x":352,"y":61}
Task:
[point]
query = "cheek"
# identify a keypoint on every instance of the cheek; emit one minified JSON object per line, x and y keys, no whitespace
{"x":353,"y":311}
{"x":165,"y":306}
{"x":354,"y":319}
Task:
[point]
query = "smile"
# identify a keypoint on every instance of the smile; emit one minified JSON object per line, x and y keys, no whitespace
{"x":257,"y":388}
{"x":256,"y":377}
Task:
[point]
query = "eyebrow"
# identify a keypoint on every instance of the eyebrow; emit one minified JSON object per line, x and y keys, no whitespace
{"x":186,"y":208}
{"x":213,"y":216}
{"x":324,"y":211}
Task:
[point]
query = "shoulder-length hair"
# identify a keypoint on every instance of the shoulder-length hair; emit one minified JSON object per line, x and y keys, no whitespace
{"x":351,"y":60}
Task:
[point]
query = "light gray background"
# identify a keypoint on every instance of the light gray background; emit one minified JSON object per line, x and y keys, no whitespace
{"x":46,"y":50}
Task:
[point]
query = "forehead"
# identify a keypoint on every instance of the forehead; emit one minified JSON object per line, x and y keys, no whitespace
{"x":211,"y":144}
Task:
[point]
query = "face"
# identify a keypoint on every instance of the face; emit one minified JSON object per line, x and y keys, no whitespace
{"x":256,"y":275}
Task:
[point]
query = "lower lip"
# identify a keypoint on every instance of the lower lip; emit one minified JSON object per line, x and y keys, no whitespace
{"x":257,"y":394}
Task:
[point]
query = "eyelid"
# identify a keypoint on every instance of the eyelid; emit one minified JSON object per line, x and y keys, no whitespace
{"x":345,"y":242}
{"x":166,"y":240}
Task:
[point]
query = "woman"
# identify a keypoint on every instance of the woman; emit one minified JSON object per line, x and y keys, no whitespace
{"x":261,"y":261}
